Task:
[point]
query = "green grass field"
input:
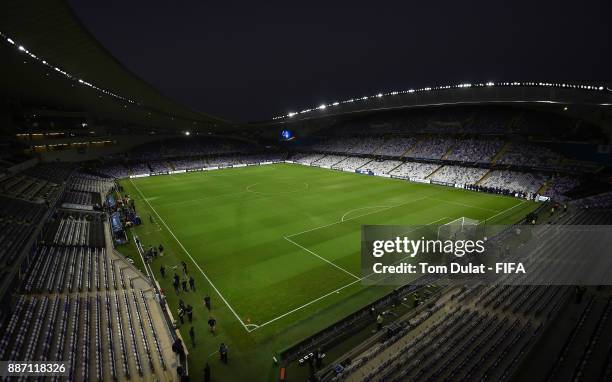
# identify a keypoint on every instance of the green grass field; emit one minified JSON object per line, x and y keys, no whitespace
{"x":277,"y":247}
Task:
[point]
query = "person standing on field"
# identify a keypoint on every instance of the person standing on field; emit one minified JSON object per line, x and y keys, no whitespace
{"x":212,"y":323}
{"x":192,"y":336}
{"x":223,"y":352}
{"x":207,"y":372}
{"x":207,"y":303}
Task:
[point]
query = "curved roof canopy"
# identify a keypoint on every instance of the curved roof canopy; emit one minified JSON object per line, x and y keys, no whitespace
{"x":48,"y":56}
{"x":527,"y":93}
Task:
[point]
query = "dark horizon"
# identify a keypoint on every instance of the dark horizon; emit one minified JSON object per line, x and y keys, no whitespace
{"x":247,"y":62}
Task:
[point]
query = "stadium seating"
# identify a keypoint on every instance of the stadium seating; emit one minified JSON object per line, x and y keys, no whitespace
{"x":514,"y":181}
{"x":382,"y":167}
{"x":396,"y":147}
{"x":77,"y":301}
{"x":352,"y":163}
{"x":475,"y":150}
{"x":329,"y":160}
{"x":559,"y":186}
{"x":458,"y":175}
{"x":526,"y":154}
{"x":431,"y":147}
{"x":306,"y":158}
{"x":414,"y":170}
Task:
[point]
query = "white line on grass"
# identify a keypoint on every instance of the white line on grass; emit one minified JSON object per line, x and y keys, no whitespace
{"x":356,"y":217}
{"x":327,"y":294}
{"x":464,"y":205}
{"x":305,"y":305}
{"x":322,"y":258}
{"x":188,"y":254}
{"x":506,"y":210}
{"x":362,"y":208}
{"x":342,"y":220}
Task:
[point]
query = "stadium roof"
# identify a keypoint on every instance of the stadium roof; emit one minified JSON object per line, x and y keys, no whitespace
{"x":526,"y":93}
{"x":49,"y":57}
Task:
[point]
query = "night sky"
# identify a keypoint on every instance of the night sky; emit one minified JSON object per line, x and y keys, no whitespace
{"x":253,"y":60}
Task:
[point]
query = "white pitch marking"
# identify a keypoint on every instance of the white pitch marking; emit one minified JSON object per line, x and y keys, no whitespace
{"x":507,"y":209}
{"x":305,"y":305}
{"x":194,"y":262}
{"x":356,"y":217}
{"x":465,"y":205}
{"x":362,"y":208}
{"x":325,"y":295}
{"x":322,"y":258}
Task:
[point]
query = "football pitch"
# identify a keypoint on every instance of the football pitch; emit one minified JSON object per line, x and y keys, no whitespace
{"x":277,"y":247}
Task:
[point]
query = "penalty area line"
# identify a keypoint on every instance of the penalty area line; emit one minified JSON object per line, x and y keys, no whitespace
{"x":356,"y":217}
{"x":322,"y":258}
{"x":506,"y":210}
{"x":305,"y":305}
{"x":189,"y":255}
{"x":327,"y":294}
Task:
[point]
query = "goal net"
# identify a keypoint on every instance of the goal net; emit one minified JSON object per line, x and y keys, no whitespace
{"x":458,"y":228}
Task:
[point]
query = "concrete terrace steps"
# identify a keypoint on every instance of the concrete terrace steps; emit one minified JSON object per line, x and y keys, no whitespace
{"x":332,"y":164}
{"x":450,"y":150}
{"x":395,"y":168}
{"x":418,"y":142}
{"x":378,"y":147}
{"x":434,"y":171}
{"x":484,"y":177}
{"x":315,"y":161}
{"x":501,"y":152}
{"x":545,"y":185}
{"x":365,"y":164}
{"x":339,"y":164}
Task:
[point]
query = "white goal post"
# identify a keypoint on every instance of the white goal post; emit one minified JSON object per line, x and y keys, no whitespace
{"x":451,"y":229}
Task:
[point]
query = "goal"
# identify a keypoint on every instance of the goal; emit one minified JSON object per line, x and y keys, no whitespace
{"x":458,"y":227}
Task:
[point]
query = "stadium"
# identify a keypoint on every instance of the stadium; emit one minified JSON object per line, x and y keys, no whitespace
{"x":143,"y":240}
